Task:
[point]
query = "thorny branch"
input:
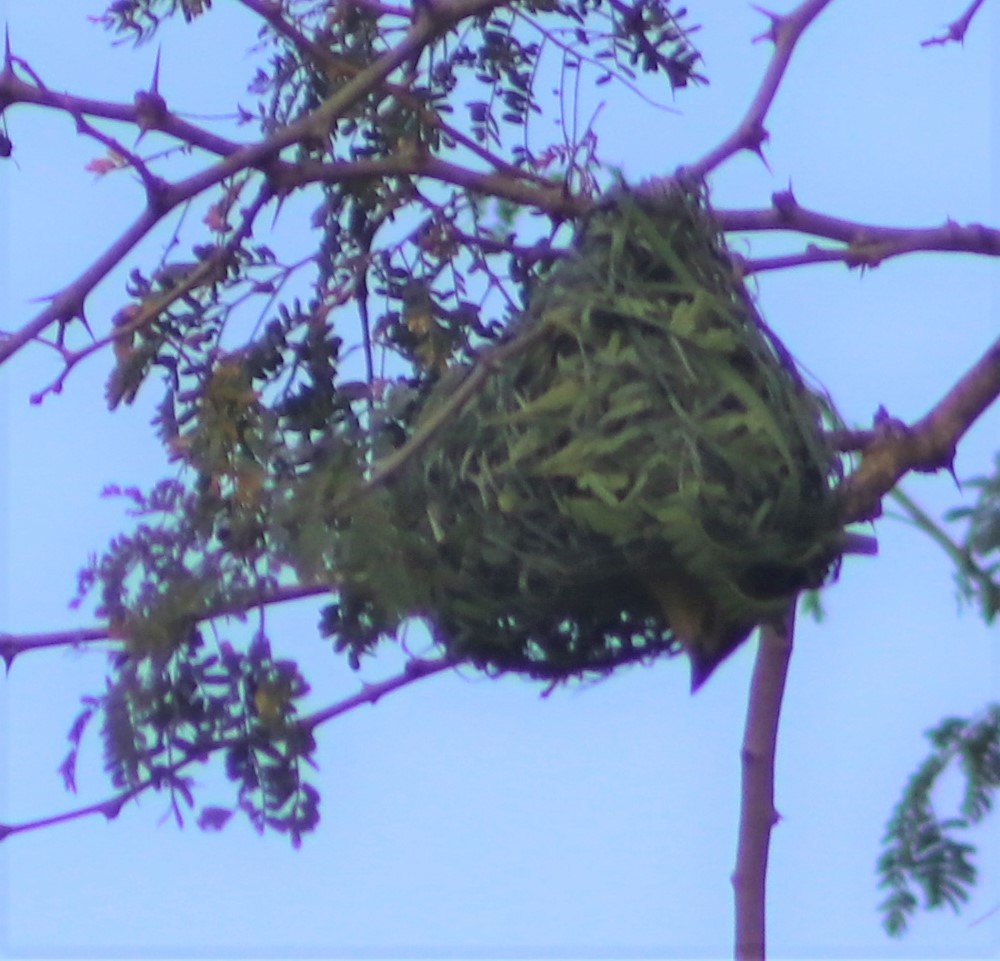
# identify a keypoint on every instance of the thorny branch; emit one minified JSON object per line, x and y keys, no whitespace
{"x":415,"y":670}
{"x":927,"y":446}
{"x":69,"y":303}
{"x":11,"y":645}
{"x":893,"y":449}
{"x":750,"y":133}
{"x":863,"y":245}
{"x":205,"y":273}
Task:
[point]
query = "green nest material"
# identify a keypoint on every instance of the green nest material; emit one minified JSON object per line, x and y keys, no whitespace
{"x":648,"y":474}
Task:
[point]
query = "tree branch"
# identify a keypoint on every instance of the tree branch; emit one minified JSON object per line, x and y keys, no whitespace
{"x":432,"y":22}
{"x":865,"y":244}
{"x":416,"y":668}
{"x":750,"y":134}
{"x":13,"y":90}
{"x":550,"y":197}
{"x":928,"y":446}
{"x":205,"y":273}
{"x":757,"y":812}
{"x":13,"y":644}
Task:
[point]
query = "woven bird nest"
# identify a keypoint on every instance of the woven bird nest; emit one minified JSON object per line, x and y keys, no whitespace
{"x":648,"y":474}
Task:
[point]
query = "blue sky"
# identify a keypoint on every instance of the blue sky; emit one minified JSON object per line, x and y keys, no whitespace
{"x":467,"y":817}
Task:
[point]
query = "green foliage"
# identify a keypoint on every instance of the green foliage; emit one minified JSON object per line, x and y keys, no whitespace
{"x":138,"y":20}
{"x":162,"y":711}
{"x":924,"y":851}
{"x":978,"y":557}
{"x":178,"y":315}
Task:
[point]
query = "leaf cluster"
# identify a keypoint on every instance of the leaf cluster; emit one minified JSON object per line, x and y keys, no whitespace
{"x":925,"y":852}
{"x":162,"y":712}
{"x":978,"y":557}
{"x":138,"y":20}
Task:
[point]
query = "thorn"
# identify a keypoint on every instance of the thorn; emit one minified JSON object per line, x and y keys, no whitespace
{"x":758,"y":149}
{"x":8,"y":651}
{"x":753,"y":138}
{"x":785,"y":202}
{"x":8,"y":56}
{"x":776,"y":20}
{"x":888,"y":427}
{"x":82,"y":317}
{"x":113,"y":807}
{"x":150,"y":107}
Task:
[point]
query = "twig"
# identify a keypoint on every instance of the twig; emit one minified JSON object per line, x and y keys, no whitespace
{"x":13,"y":90}
{"x":207,"y":272}
{"x":960,"y":556}
{"x":13,"y":644}
{"x":572,"y":52}
{"x":551,"y":197}
{"x":851,"y":441}
{"x":415,"y":669}
{"x":110,"y":808}
{"x":956,"y":30}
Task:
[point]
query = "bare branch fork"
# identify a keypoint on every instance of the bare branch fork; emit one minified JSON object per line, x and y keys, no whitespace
{"x":886,"y":456}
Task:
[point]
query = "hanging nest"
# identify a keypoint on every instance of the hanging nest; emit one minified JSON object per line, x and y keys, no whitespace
{"x":648,"y":474}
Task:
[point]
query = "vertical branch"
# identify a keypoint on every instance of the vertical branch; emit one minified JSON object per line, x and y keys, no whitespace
{"x":757,"y":811}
